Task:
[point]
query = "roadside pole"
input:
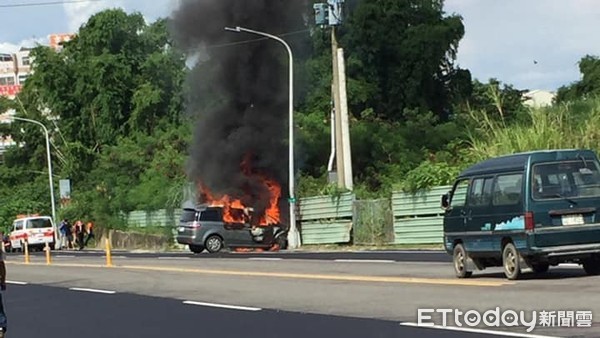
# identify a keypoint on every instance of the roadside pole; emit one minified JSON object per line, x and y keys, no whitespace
{"x":48,"y":256}
{"x":26,"y":250}
{"x":108,"y":254}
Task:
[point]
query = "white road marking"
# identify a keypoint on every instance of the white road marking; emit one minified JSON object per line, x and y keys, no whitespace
{"x":174,"y":258}
{"x":108,"y":292}
{"x":364,"y":261}
{"x":474,"y":330}
{"x":16,"y":282}
{"x":265,"y":259}
{"x":224,"y":306}
{"x":65,"y":256}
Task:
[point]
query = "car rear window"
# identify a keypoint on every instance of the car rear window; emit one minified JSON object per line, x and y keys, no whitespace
{"x":188,"y":215}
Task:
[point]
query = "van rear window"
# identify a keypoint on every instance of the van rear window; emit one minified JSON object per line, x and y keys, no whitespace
{"x":39,"y":223}
{"x":572,"y":179}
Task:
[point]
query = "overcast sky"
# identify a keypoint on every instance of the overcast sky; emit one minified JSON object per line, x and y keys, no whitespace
{"x":503,"y":38}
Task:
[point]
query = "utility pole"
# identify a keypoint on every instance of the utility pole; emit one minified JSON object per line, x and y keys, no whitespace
{"x":330,"y":14}
{"x":339,"y":153}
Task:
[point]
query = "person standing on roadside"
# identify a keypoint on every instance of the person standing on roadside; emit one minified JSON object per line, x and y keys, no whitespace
{"x":90,"y":232}
{"x":3,"y":320}
{"x":80,"y":233}
{"x":64,"y":232}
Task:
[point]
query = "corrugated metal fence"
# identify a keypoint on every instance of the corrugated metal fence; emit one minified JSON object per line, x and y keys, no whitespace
{"x":162,"y":217}
{"x":326,"y":219}
{"x":413,"y":219}
{"x":418,"y":218}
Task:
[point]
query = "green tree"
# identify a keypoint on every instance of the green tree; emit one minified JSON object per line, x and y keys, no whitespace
{"x":588,"y":86}
{"x":112,"y":99}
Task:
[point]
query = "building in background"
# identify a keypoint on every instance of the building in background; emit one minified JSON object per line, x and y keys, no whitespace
{"x":56,"y":40}
{"x":539,"y":98}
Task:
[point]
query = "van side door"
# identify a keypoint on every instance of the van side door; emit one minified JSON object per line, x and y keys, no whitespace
{"x":479,"y":212}
{"x":455,"y":216}
{"x":509,"y":205}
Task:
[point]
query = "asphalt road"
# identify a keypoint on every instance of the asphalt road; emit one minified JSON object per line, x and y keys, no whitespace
{"x":388,"y":291}
{"x":42,"y":311}
{"x":392,"y":255}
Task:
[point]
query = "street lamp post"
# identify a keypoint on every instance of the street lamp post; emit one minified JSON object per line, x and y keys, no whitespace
{"x":48,"y":158}
{"x":293,"y":234}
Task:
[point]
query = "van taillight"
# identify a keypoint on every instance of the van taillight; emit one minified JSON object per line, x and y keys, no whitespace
{"x":529,"y":222}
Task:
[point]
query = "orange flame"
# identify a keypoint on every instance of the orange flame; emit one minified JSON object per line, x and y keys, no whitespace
{"x":234,"y":211}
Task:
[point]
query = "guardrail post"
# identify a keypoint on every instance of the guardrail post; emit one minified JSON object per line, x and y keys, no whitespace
{"x":108,"y":253}
{"x":48,"y":257}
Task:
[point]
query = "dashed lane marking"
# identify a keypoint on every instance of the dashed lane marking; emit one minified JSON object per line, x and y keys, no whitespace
{"x":16,"y":282}
{"x":474,"y":330}
{"x":265,"y":259}
{"x":108,"y":292}
{"x":223,"y":306}
{"x":364,"y":261}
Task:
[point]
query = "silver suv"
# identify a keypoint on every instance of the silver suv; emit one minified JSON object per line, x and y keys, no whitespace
{"x":203,"y":228}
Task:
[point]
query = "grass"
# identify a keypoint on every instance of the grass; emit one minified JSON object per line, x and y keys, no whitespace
{"x":573,"y":125}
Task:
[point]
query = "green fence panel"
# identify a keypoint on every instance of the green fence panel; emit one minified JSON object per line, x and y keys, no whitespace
{"x":426,"y":230}
{"x":422,"y":203}
{"x":418,"y":218}
{"x":326,"y":232}
{"x":325,"y":219}
{"x":162,"y":217}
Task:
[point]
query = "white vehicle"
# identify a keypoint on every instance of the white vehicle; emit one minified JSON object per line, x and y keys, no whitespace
{"x":36,"y":230}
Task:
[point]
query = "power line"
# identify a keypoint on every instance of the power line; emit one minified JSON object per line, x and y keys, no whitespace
{"x":47,"y":3}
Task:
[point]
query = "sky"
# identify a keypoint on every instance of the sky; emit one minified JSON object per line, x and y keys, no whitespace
{"x":530,"y":44}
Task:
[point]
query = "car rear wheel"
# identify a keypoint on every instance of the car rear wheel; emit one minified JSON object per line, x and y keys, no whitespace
{"x":214,"y":244}
{"x":460,"y":262}
{"x":511,"y":262}
{"x":540,"y":267}
{"x":592,"y":267}
{"x":196,"y":248}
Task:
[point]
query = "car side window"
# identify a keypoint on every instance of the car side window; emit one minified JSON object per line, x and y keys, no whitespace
{"x":459,"y":195}
{"x":481,"y":192}
{"x":19,"y":225}
{"x":508,"y":189}
{"x":210,"y":215}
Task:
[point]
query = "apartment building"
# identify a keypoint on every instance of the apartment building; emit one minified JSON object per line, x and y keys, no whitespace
{"x":14,"y":71}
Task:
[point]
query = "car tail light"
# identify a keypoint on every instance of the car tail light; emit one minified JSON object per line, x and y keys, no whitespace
{"x":196,"y":224}
{"x":529,"y":222}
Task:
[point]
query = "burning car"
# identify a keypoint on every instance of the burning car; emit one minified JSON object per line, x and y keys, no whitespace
{"x":213,"y":228}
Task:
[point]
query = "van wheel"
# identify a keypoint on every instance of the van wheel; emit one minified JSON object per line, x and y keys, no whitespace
{"x":213,"y":244}
{"x":511,"y":262}
{"x":540,"y":267}
{"x":592,"y":267}
{"x":460,"y":262}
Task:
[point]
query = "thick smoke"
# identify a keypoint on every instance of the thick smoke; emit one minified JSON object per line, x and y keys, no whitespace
{"x":239,"y":92}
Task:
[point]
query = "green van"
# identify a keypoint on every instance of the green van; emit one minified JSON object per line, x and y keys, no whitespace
{"x":525,"y":212}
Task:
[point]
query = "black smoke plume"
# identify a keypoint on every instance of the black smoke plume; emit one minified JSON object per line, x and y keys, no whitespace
{"x":238,"y":90}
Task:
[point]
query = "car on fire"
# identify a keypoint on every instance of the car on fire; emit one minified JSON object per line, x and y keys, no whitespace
{"x":203,"y":228}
